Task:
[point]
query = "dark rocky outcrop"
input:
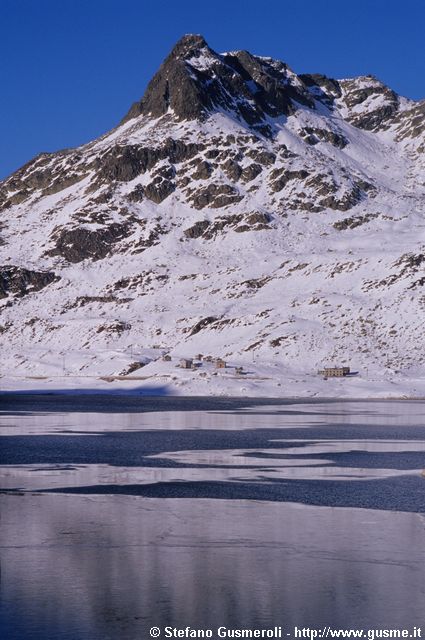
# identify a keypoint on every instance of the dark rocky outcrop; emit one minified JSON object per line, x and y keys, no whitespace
{"x":321,"y":87}
{"x":255,"y":221}
{"x":178,"y":151}
{"x":266,"y":158}
{"x":173,"y":86}
{"x":411,"y":123}
{"x":41,"y":174}
{"x":342,"y":203}
{"x":411,"y":262}
{"x":215,"y":196}
{"x":194,"y":80}
{"x":159,"y":189}
{"x":81,"y":243}
{"x":222,"y":223}
{"x":232,"y":169}
{"x":62,"y":182}
{"x":137,"y":194}
{"x":251,"y":172}
{"x":124,"y":163}
{"x":371,"y":118}
{"x":258,"y":218}
{"x":330,"y":194}
{"x":197,"y":230}
{"x":114,"y":327}
{"x":145,"y":281}
{"x":104,"y":197}
{"x":203,"y":170}
{"x":202,"y":324}
{"x":256,"y":283}
{"x":167,"y":172}
{"x":82,"y":301}
{"x":281,"y":177}
{"x":353,"y":222}
{"x":134,"y":366}
{"x":150,"y":239}
{"x":20,"y":282}
{"x":314,"y":136}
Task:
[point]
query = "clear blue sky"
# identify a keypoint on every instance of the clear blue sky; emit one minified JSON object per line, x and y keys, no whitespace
{"x":69,"y":69}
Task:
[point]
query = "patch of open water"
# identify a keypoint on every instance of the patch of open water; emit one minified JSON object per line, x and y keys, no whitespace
{"x":201,"y":514}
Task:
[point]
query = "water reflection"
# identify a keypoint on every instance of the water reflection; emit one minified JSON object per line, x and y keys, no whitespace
{"x":118,"y":565}
{"x":50,"y":414}
{"x":100,"y":565}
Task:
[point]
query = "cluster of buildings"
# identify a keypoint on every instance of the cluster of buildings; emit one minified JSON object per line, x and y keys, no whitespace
{"x":197,"y":361}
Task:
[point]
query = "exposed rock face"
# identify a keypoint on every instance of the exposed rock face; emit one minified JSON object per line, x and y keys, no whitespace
{"x":313,"y":136}
{"x":222,"y":224}
{"x":372,"y":104}
{"x":203,"y":171}
{"x":256,"y":220}
{"x":137,"y":194}
{"x":233,"y":170}
{"x":159,"y":189}
{"x":43,"y":176}
{"x":324,"y":88}
{"x":20,"y":282}
{"x":281,"y":177}
{"x":265,"y":158}
{"x":202,"y":324}
{"x":353,"y":222}
{"x":251,"y":172}
{"x":124,"y":163}
{"x":197,"y":229}
{"x":134,"y":366}
{"x":194,"y":80}
{"x":173,"y":87}
{"x":411,"y":263}
{"x":75,"y":245}
{"x":411,"y":123}
{"x":216,"y":196}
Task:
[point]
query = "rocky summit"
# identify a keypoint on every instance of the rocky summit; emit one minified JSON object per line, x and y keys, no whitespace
{"x":240,"y":211}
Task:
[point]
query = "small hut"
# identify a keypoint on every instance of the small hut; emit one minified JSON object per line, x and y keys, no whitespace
{"x":186,"y":363}
{"x":220,"y":364}
{"x":166,"y":358}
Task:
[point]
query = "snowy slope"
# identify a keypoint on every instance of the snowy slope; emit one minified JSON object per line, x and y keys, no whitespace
{"x":239,"y":210}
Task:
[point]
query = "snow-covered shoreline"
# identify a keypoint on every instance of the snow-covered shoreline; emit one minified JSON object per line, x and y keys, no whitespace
{"x":314,"y":387}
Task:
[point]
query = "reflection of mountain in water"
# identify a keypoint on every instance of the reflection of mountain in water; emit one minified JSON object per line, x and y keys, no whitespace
{"x":99,"y":567}
{"x":114,"y":566}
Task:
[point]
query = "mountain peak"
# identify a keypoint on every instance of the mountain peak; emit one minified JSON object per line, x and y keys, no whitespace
{"x":194,"y":81}
{"x":173,"y":87}
{"x":188,"y":44}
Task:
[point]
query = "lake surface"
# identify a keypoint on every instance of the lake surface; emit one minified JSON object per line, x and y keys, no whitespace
{"x":123,"y":513}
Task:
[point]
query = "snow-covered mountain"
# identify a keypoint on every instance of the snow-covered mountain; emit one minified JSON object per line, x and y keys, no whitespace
{"x":238,"y":210}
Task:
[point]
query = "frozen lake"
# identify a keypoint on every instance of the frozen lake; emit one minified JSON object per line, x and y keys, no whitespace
{"x":120,"y":513}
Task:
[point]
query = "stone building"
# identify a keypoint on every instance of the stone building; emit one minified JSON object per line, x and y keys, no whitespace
{"x":334,"y":372}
